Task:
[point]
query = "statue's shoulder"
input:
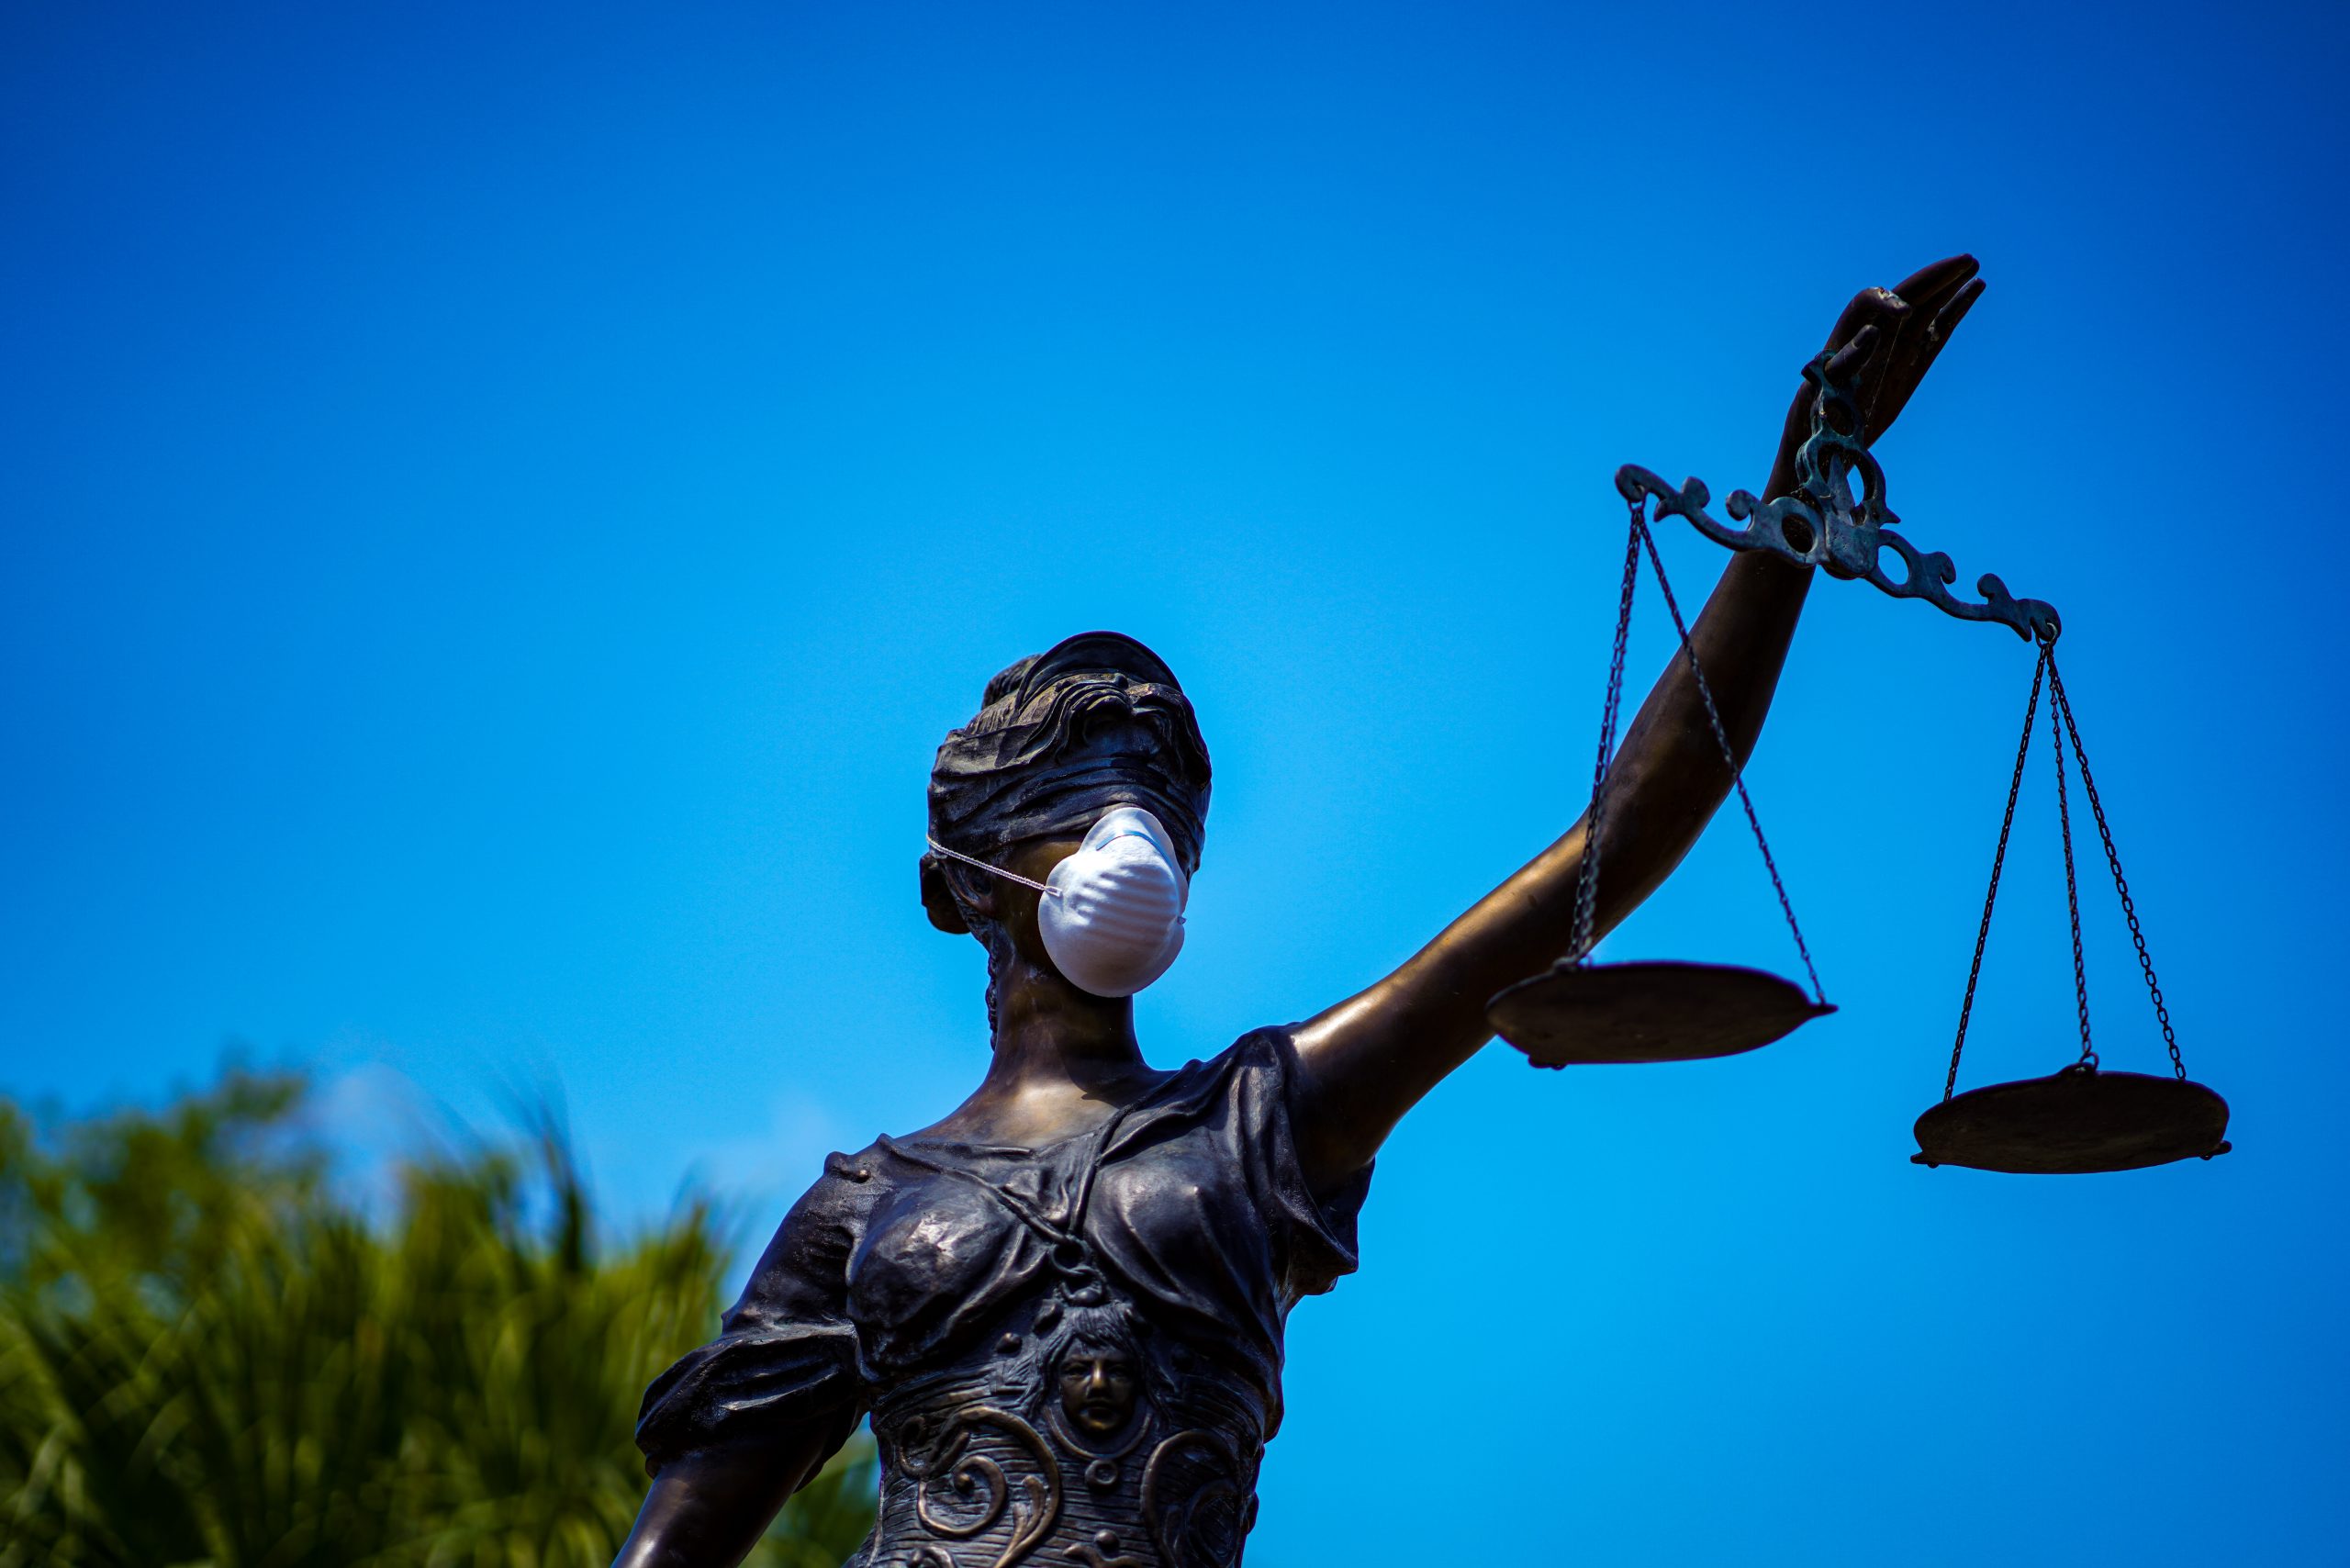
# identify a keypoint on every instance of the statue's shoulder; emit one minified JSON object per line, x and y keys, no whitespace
{"x":804,"y":1263}
{"x":1260,"y":1063}
{"x":856,"y":1170}
{"x":843,"y":1191}
{"x":1265,"y":1050}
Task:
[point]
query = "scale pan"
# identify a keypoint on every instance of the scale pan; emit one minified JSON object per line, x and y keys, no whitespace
{"x":1645,"y":1011}
{"x":2074,"y":1122}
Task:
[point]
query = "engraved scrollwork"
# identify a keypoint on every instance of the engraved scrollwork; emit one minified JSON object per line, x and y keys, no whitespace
{"x":1199,"y":1517}
{"x":969,"y":1476}
{"x":976,"y":1491}
{"x":1837,"y":520}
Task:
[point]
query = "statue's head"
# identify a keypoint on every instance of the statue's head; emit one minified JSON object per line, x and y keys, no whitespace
{"x":1060,"y":738}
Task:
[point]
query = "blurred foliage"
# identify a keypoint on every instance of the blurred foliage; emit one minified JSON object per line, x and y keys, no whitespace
{"x":209,"y":1357}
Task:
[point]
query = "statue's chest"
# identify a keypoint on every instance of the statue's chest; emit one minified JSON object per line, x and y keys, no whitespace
{"x":945,"y":1247}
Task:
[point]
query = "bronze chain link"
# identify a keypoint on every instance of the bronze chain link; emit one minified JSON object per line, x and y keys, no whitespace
{"x":2063,"y":704}
{"x":1587,"y":879}
{"x":1999,"y":862}
{"x":2072,"y":887}
{"x":1729,"y":757}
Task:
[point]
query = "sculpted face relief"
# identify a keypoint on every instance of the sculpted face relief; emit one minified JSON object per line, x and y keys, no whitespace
{"x":1097,"y":1390}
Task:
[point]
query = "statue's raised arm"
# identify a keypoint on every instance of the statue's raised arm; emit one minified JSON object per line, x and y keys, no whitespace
{"x":1369,"y":1060}
{"x":1062,"y":1305}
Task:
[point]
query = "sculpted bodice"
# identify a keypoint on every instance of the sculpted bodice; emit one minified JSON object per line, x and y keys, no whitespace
{"x":1072,"y":1352}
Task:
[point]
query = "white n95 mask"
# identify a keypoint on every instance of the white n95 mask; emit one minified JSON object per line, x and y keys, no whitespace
{"x":1117,"y":920}
{"x":1112,"y":914}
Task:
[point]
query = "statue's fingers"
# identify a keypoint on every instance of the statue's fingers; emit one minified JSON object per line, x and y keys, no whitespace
{"x":1946,"y":321}
{"x":1932,"y":284}
{"x":1844,"y":365}
{"x":1906,"y":365}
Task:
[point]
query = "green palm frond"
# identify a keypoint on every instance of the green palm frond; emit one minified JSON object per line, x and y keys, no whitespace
{"x":207,"y":1359}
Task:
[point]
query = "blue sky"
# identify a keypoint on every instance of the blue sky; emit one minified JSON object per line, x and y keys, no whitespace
{"x":502,"y":501}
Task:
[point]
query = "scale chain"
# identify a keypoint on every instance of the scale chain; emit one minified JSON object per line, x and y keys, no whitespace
{"x":2072,"y":887}
{"x":2064,"y":705}
{"x":1999,"y":862}
{"x":1729,"y":757}
{"x":1587,"y":879}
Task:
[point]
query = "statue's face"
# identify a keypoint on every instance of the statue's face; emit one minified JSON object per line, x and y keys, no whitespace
{"x":1097,"y":1389}
{"x":1015,"y":906}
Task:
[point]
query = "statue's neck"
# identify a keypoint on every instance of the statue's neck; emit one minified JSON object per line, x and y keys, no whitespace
{"x":1063,"y":1059}
{"x":1046,"y":1028}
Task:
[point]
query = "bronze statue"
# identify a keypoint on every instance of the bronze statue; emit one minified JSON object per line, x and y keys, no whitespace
{"x":1062,"y":1306}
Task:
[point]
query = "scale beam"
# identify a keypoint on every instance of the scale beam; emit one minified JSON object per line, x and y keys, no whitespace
{"x":1826,"y":522}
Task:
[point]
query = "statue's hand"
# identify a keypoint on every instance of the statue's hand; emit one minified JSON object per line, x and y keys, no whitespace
{"x":1885,"y":342}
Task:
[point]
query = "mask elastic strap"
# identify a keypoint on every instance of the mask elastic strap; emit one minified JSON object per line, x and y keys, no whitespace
{"x":993,"y":870}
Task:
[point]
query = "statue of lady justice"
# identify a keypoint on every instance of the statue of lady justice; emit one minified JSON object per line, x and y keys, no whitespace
{"x":1062,"y":1306}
